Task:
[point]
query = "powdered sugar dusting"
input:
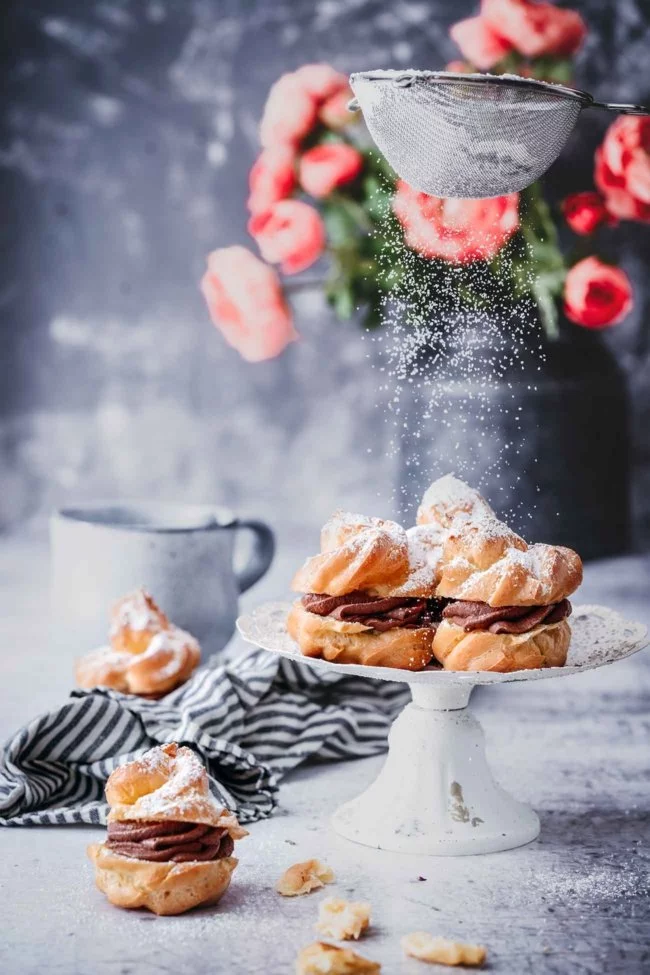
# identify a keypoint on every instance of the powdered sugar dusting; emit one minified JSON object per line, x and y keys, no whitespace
{"x":138,"y":612}
{"x":425,"y":554}
{"x":185,"y":793}
{"x":536,"y":559}
{"x":486,"y":525}
{"x":173,"y":639}
{"x":154,"y":760}
{"x":347,"y":522}
{"x":104,"y":661}
{"x":350,"y":519}
{"x":451,"y":492}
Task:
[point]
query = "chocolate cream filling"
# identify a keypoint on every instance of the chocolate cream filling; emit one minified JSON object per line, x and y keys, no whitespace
{"x":377,"y":612}
{"x":384,"y":613}
{"x":504,"y":619}
{"x":163,"y":841}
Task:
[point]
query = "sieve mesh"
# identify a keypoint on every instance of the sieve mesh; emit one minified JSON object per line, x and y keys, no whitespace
{"x":466,"y":136}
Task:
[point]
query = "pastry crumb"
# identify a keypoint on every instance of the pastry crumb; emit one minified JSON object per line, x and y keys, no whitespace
{"x":301,"y":878}
{"x":342,"y":920}
{"x":441,"y":951}
{"x":321,"y":958}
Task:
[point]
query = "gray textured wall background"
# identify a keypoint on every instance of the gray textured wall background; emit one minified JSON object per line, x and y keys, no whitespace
{"x":127,"y":132}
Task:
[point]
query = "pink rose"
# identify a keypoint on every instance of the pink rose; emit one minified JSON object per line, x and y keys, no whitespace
{"x":334,"y":112}
{"x":585,"y":212}
{"x":455,"y":230}
{"x":534,"y":28}
{"x":479,"y":42}
{"x":596,"y":295}
{"x":294,"y":101}
{"x":289,"y":113}
{"x":291,"y":233}
{"x":459,"y":67}
{"x":246,"y":304}
{"x":321,"y":81}
{"x":272,"y":178}
{"x":622,"y":172}
{"x":325,"y":167}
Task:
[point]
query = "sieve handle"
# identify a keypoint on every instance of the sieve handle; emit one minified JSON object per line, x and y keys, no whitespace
{"x":353,"y":105}
{"x":623,"y":108}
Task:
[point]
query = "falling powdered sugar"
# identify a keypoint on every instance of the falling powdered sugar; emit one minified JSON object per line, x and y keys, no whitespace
{"x":460,"y":342}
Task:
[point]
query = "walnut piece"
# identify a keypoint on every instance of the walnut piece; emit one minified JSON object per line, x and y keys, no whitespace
{"x":441,"y":951}
{"x":321,"y":958}
{"x":341,"y":919}
{"x":303,"y":877}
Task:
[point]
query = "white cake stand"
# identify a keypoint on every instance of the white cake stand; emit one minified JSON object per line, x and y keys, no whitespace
{"x":435,"y":793}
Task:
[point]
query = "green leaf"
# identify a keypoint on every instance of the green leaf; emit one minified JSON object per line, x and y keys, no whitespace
{"x":340,"y":225}
{"x":342,"y":299}
{"x":377,"y":196}
{"x":548,"y":312}
{"x":509,"y":64}
{"x":354,"y":211}
{"x":559,"y":70}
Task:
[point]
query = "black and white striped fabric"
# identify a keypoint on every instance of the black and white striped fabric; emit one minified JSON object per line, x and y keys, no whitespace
{"x":251,"y":722}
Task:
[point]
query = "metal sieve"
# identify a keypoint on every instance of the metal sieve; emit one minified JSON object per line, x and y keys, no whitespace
{"x":469,"y":135}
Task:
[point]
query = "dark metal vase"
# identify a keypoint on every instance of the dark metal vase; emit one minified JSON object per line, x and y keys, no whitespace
{"x":547,"y":443}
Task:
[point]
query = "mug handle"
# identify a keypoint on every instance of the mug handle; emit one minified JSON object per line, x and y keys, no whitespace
{"x":261,"y":556}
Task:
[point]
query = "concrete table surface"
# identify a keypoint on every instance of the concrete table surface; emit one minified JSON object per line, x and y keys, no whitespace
{"x":576,"y":900}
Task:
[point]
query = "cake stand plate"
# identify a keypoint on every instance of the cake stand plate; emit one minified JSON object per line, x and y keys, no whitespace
{"x":435,"y":794}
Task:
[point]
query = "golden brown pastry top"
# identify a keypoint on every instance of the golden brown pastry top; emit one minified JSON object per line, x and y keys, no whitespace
{"x":372,"y":555}
{"x":167,"y":783}
{"x":356,"y":553}
{"x":484,"y":561}
{"x":459,"y":549}
{"x":135,"y":619}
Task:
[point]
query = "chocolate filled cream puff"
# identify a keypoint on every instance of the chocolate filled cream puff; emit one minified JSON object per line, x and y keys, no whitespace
{"x":169,"y":844}
{"x":460,"y":589}
{"x":506,"y":601}
{"x":369,"y":596}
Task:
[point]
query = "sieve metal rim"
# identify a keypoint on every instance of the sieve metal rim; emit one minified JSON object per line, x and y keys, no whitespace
{"x":409,"y":77}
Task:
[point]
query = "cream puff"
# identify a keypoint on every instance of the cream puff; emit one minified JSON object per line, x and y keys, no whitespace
{"x":506,"y":601}
{"x":369,"y":596}
{"x":169,"y":844}
{"x":460,"y":589}
{"x":147,"y":655}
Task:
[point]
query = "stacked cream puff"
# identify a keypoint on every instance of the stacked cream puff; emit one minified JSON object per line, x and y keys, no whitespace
{"x":459,"y":589}
{"x":147,"y":654}
{"x":169,"y":844}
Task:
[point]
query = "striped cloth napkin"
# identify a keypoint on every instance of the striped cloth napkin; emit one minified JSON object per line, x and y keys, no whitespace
{"x":251,"y":722}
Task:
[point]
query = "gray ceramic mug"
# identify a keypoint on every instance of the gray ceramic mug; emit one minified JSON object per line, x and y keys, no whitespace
{"x":183,"y":554}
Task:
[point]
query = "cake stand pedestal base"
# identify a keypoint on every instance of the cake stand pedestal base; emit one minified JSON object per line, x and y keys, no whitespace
{"x":435,"y":794}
